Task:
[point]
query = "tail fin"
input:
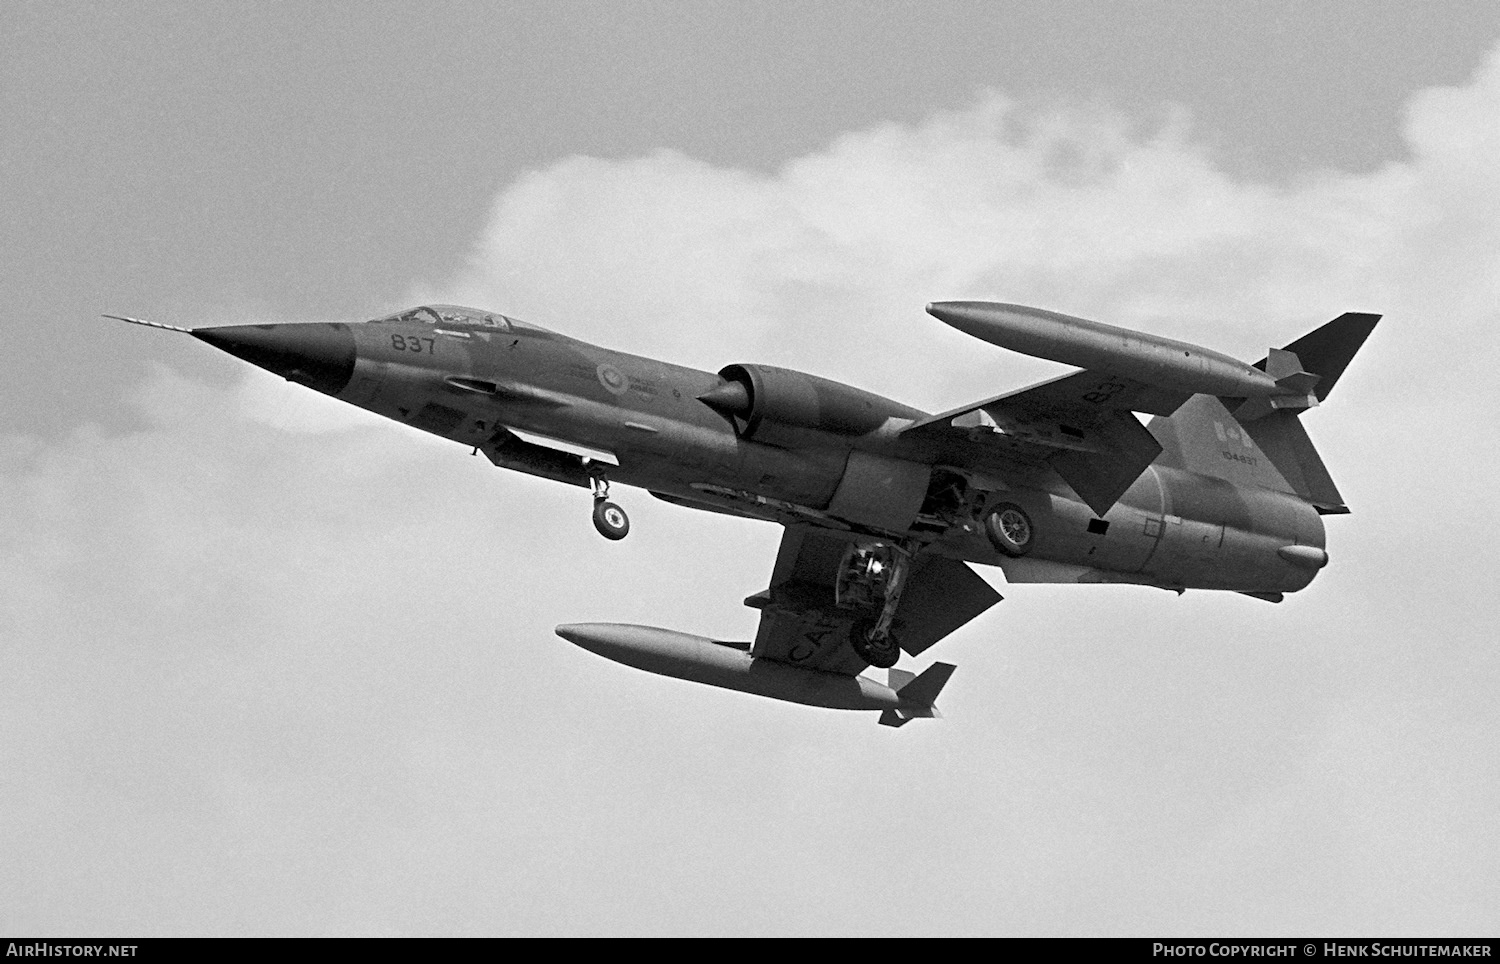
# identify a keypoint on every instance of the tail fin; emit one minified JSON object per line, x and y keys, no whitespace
{"x":1326,"y":351}
{"x":918,"y":694}
{"x":1273,"y":449}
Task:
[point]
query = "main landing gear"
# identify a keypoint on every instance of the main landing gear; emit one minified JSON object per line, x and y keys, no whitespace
{"x":874,"y":576}
{"x":1010,"y":529}
{"x":609,"y":519}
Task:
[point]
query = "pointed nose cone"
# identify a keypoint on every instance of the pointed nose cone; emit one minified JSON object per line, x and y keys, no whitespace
{"x":318,"y":356}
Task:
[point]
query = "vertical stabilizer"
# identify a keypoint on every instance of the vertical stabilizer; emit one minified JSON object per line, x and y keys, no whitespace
{"x":1268,"y":448}
{"x":1283,"y":440}
{"x":1203,"y":437}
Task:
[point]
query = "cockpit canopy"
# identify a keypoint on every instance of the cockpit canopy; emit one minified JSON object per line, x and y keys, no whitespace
{"x":457,"y":316}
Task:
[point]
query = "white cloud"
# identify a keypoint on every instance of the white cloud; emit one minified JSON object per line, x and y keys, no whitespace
{"x":832,"y":258}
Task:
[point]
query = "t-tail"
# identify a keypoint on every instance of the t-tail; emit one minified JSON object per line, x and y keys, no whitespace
{"x":1261,"y":441}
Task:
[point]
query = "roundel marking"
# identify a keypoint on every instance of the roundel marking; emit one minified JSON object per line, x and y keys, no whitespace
{"x":613,"y":380}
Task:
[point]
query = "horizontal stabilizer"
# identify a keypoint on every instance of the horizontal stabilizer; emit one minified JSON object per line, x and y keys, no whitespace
{"x":1326,"y":351}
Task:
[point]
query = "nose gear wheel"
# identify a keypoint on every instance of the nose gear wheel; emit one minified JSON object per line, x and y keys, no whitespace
{"x":609,"y":519}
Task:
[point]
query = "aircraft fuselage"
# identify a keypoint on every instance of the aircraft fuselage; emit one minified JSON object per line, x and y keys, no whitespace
{"x":816,"y":451}
{"x":883,"y":506}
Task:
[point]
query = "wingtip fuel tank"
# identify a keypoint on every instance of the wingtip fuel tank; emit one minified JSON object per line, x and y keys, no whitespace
{"x":699,"y":659}
{"x":1152,"y":359}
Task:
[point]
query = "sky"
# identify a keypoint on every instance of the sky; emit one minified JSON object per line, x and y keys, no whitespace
{"x":270,"y":666}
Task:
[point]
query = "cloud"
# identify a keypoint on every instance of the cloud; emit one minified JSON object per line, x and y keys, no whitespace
{"x":833,"y":256}
{"x":276,"y":668}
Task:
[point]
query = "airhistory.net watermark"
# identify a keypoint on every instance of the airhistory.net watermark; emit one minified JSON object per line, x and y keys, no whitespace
{"x":46,"y":949}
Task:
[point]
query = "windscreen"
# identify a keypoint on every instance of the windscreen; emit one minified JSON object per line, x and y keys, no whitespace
{"x":458,"y":316}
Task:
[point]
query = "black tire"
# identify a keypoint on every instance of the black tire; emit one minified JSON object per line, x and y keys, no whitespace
{"x":883,"y":654}
{"x":1010,"y":529}
{"x":611,"y":520}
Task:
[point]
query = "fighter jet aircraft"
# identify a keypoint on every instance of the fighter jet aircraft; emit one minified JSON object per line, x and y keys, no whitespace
{"x":884,"y":507}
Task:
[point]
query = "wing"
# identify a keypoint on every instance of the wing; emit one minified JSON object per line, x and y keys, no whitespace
{"x":1081,"y":424}
{"x":801,"y":621}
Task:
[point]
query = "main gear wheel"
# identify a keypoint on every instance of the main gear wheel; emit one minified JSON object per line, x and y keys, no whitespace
{"x":1010,"y":529}
{"x":879,"y":650}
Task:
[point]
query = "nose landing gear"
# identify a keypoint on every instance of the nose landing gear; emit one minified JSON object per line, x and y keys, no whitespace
{"x":609,"y":519}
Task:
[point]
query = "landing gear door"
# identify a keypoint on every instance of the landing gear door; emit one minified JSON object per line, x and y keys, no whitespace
{"x":942,"y":595}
